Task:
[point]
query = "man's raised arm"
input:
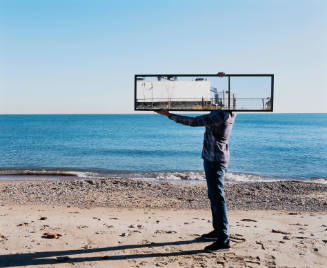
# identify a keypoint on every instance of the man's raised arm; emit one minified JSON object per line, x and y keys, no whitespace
{"x":214,"y":118}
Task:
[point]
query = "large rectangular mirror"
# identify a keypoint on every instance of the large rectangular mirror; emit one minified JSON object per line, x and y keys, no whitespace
{"x":205,"y":92}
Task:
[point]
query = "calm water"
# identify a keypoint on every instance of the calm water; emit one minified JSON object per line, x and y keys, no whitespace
{"x":270,"y":145}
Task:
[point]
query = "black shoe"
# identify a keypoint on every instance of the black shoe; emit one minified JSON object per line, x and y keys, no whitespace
{"x":218,"y":246}
{"x":209,"y":236}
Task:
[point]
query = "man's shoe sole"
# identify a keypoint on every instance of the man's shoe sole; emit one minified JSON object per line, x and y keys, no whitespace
{"x":208,"y":238}
{"x":217,"y":250}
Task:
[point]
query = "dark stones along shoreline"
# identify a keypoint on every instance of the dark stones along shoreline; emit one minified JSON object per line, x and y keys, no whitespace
{"x":289,"y":196}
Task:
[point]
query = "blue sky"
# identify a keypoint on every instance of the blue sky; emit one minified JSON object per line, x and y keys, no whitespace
{"x":69,"y":56}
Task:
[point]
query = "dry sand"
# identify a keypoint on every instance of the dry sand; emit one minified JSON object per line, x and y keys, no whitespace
{"x":122,"y":237}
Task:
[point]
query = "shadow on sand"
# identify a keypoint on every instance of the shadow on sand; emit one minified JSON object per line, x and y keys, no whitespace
{"x":49,"y":257}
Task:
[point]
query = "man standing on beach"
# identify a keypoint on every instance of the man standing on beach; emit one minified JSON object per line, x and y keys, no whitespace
{"x":215,"y":156}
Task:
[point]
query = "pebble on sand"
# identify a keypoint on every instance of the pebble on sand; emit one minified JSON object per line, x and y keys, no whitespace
{"x":51,"y":235}
{"x":280,"y":232}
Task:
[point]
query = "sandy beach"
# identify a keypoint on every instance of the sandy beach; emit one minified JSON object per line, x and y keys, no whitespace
{"x":126,"y":223}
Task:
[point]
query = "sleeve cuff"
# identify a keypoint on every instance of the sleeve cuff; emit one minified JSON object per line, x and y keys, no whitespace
{"x":171,"y":116}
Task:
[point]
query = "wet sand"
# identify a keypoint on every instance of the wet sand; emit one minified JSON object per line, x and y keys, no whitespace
{"x":287,"y":195}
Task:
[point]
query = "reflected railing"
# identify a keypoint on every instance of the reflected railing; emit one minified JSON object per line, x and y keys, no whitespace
{"x":182,"y":104}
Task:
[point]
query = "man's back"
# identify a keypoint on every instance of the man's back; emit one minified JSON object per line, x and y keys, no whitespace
{"x":216,"y":136}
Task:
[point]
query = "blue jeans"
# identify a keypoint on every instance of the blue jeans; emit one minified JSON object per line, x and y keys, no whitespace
{"x":215,"y":173}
